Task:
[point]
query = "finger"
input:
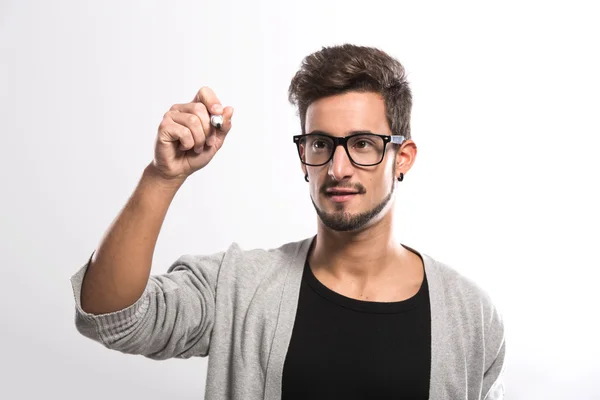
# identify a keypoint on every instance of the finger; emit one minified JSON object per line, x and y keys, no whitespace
{"x":193,"y":123}
{"x":192,"y":108}
{"x":208,"y":97}
{"x":177,"y":132}
{"x":198,"y":109}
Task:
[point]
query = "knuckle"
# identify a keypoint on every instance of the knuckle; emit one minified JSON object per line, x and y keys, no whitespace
{"x":164,"y":124}
{"x":193,"y":119}
{"x":186,"y":140}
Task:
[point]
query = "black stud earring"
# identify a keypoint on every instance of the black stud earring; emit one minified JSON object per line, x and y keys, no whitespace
{"x":401,"y":177}
{"x":306,"y":177}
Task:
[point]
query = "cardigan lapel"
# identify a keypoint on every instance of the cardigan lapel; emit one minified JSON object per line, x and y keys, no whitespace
{"x":285,"y":321}
{"x":439,"y":333}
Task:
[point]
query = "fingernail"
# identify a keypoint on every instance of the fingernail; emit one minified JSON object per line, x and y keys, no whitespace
{"x":217,"y":108}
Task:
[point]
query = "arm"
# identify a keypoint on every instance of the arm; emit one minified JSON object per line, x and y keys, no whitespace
{"x":117,"y":303}
{"x":173,"y":317}
{"x":119,"y":269}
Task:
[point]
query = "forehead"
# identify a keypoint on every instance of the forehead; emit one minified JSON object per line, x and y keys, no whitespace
{"x":344,"y":113}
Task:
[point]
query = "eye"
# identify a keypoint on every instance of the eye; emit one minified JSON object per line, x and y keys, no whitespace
{"x":362,"y":144}
{"x":320,"y":144}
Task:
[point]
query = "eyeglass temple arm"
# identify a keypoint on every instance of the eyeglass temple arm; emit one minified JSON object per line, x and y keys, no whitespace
{"x":398,"y":139}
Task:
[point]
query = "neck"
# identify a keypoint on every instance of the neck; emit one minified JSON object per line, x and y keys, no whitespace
{"x":361,"y":253}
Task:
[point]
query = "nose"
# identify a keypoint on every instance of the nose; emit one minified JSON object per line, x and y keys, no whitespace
{"x":340,"y":166}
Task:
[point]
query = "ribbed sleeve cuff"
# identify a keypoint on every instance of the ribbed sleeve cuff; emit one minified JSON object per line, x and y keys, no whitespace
{"x":106,"y":328}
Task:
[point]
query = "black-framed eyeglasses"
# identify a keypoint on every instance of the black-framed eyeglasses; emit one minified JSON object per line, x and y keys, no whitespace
{"x":364,"y":149}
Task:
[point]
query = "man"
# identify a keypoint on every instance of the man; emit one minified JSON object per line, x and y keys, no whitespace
{"x":347,"y":314}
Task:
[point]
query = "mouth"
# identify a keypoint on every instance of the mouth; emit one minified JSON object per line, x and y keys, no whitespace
{"x":340,"y":195}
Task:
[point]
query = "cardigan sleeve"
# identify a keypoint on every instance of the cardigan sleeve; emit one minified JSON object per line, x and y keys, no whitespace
{"x":493,"y":379}
{"x":173,"y":318}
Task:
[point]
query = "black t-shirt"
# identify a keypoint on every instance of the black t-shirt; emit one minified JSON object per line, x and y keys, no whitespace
{"x":343,"y":348}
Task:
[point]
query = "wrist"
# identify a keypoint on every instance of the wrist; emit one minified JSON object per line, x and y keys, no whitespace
{"x":153,"y":176}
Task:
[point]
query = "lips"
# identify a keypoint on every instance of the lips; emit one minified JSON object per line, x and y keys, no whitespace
{"x":341,"y":195}
{"x":340,"y":192}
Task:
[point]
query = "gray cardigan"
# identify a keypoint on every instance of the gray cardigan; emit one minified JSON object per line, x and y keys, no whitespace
{"x":238,"y":307}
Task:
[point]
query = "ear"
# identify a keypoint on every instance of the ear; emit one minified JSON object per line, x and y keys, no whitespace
{"x":405,"y":157}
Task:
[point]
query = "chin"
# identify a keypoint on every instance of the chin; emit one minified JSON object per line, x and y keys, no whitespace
{"x":349,"y":216}
{"x":345,"y":222}
{"x":345,"y":218}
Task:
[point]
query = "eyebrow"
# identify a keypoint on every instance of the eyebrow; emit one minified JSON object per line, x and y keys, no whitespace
{"x":349,"y":133}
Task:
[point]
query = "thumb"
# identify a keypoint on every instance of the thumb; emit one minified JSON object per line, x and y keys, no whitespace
{"x":226,"y":127}
{"x":216,"y":139}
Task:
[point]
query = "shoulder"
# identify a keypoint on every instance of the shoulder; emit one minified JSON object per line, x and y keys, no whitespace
{"x":463,"y":296}
{"x":455,"y":283}
{"x":242,"y":270}
{"x":287,"y":252}
{"x":236,"y":254}
{"x":241,"y":266}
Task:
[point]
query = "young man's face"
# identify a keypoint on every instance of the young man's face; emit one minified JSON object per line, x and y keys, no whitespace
{"x":372,"y":186}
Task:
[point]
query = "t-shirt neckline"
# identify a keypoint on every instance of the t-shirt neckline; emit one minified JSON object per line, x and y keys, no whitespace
{"x":374,"y":307}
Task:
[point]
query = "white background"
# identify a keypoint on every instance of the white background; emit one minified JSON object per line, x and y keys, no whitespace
{"x":504,"y":189}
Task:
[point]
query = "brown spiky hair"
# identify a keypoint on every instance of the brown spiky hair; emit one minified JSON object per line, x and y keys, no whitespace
{"x":344,"y":68}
